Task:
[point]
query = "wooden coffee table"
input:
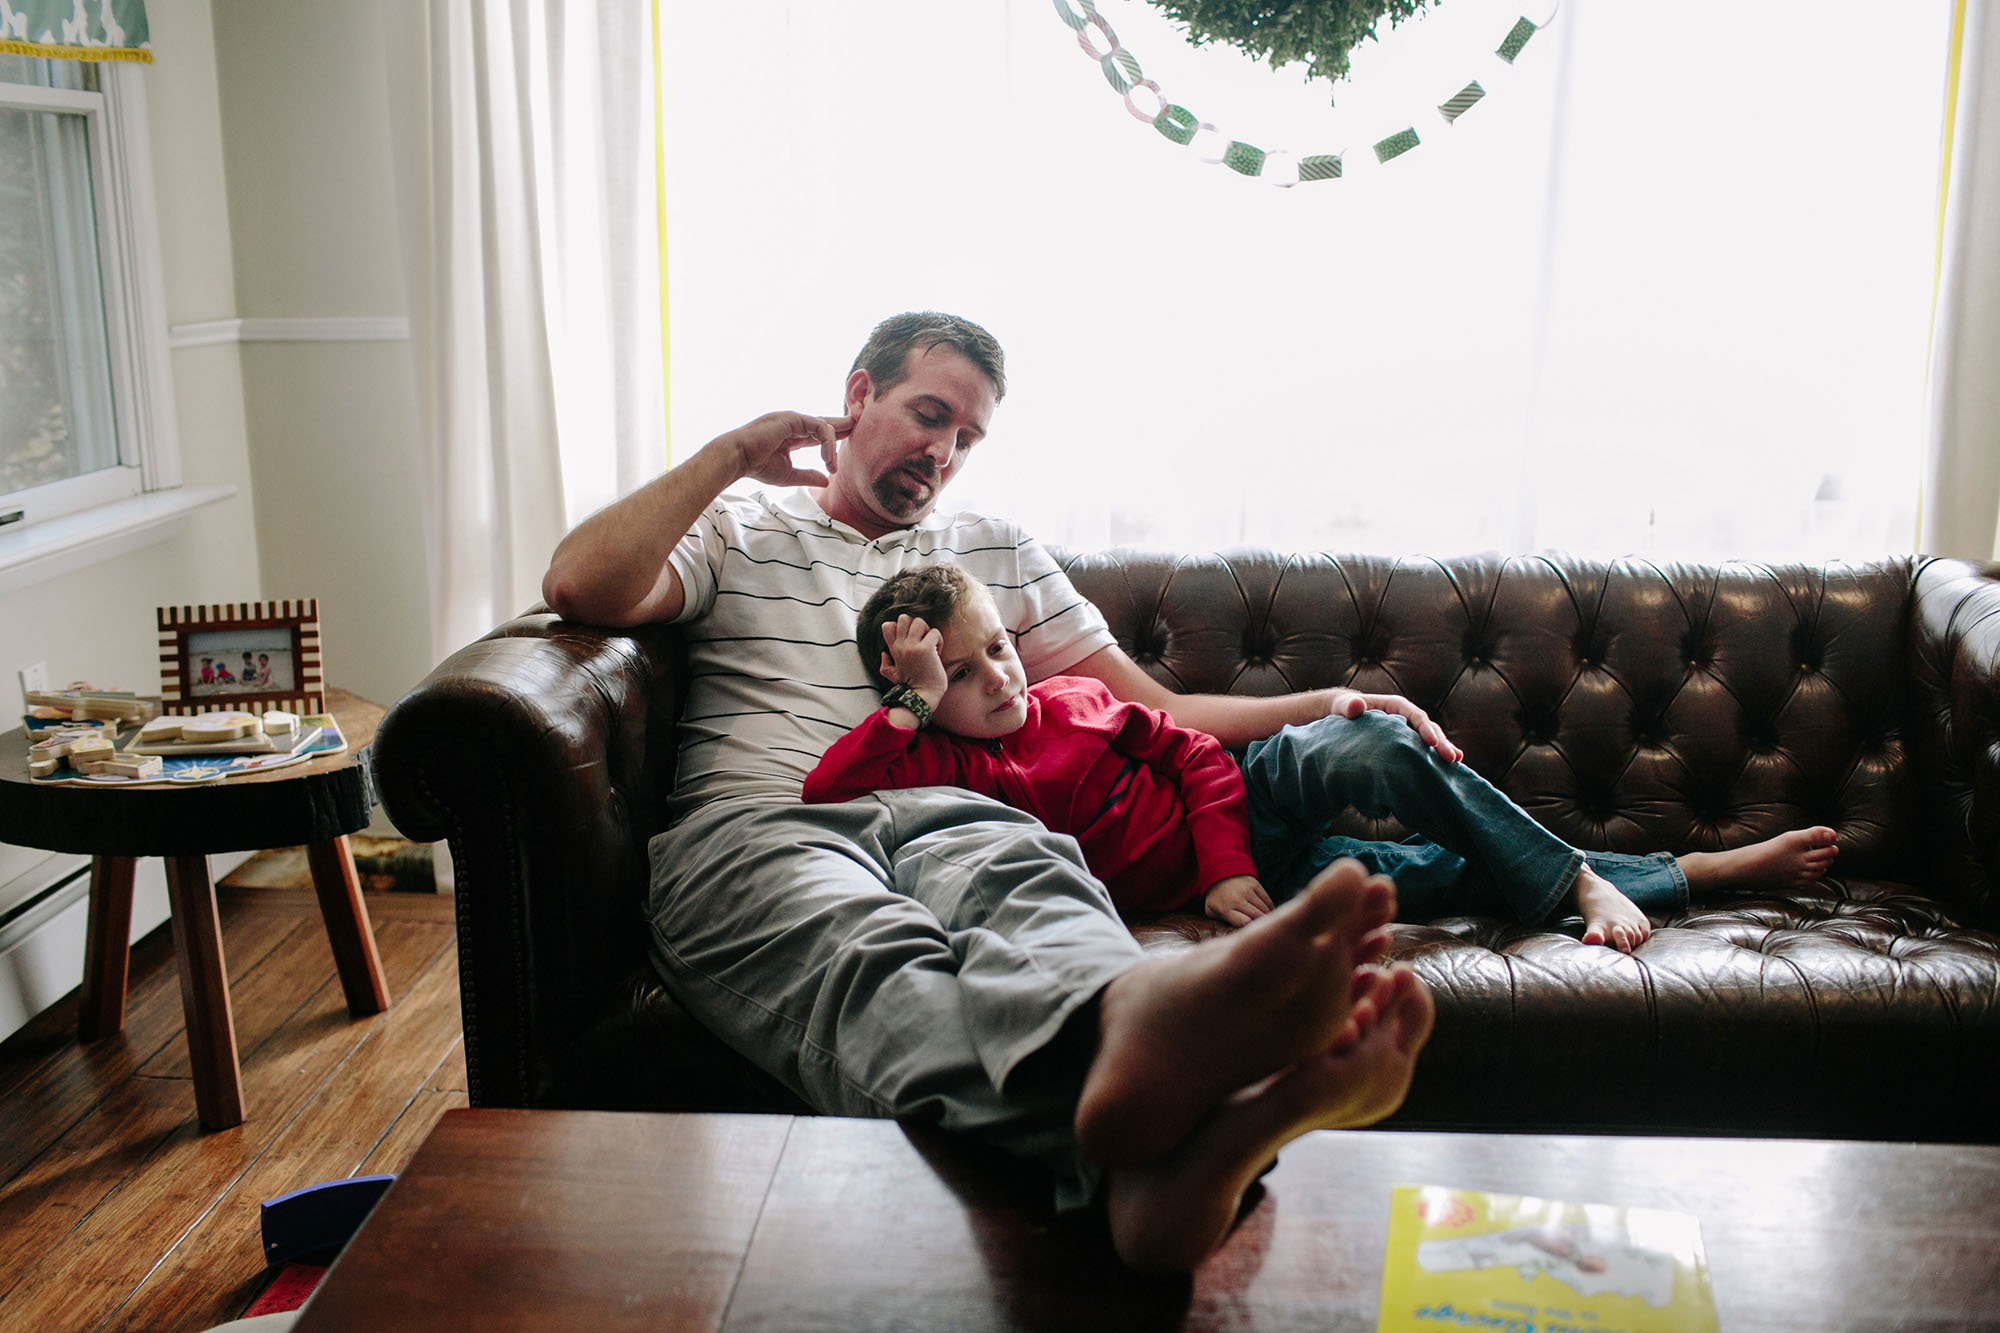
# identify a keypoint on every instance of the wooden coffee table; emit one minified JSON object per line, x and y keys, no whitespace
{"x":579,"y":1219}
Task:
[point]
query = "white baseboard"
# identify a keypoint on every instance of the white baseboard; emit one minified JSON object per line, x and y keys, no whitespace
{"x":41,"y":947}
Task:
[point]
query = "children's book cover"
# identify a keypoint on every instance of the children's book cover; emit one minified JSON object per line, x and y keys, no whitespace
{"x":1463,"y":1259}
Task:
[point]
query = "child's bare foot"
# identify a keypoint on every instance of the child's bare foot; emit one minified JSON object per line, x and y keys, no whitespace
{"x":1178,"y":1035}
{"x":1168,"y":1216}
{"x":1786,"y":861}
{"x":1609,"y":917}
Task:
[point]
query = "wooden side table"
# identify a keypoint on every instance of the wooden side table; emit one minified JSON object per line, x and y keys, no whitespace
{"x":314,"y":804}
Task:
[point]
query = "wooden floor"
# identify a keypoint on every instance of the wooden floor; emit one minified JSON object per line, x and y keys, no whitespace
{"x":117,"y":1211}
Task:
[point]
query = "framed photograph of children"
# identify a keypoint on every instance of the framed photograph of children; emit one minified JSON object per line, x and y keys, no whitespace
{"x":247,"y":656}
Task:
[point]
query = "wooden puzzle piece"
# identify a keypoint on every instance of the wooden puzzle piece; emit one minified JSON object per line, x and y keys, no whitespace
{"x":161,"y":729}
{"x":55,"y":742}
{"x":126,"y":766}
{"x":86,"y":749}
{"x":210,"y":728}
{"x":81,"y":703}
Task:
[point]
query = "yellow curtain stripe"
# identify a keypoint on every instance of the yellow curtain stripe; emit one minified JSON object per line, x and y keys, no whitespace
{"x":1950,"y":126}
{"x":660,"y":224}
{"x":14,"y":48}
{"x":1954,"y":59}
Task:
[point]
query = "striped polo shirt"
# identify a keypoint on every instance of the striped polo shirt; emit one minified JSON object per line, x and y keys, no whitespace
{"x":773,"y":589}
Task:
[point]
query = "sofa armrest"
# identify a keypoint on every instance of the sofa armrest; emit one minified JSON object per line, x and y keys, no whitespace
{"x":1955,"y":675}
{"x":542,"y":754}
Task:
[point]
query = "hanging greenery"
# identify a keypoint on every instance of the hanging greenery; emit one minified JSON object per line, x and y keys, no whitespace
{"x":1318,"y":33}
{"x":1147,"y":103}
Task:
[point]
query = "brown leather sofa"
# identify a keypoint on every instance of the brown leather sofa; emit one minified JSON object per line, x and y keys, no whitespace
{"x":1628,"y":705}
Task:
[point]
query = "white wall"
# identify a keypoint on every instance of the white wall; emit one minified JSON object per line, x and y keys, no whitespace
{"x":332,"y":424}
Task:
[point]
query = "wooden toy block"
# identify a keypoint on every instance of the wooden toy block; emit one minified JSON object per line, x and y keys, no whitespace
{"x":161,"y":729}
{"x":43,"y":768}
{"x":278,"y":722}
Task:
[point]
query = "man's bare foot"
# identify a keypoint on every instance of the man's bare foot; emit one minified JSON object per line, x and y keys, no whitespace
{"x":1177,"y":1035}
{"x":1609,"y":917}
{"x":1783,"y":862}
{"x":1168,"y":1216}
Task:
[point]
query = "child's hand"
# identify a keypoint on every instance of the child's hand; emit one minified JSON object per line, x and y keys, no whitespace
{"x":912,"y":657}
{"x":1238,"y":900}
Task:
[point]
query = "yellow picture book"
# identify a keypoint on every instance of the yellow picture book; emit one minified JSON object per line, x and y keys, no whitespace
{"x":1465,"y":1259}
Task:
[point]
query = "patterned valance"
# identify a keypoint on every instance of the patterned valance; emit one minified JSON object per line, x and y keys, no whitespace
{"x":76,"y":29}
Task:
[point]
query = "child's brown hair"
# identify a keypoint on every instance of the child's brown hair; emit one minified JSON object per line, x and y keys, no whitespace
{"x":933,"y":593}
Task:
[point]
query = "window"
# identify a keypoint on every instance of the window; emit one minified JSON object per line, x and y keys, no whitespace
{"x":78,"y":429}
{"x":1661,"y":292}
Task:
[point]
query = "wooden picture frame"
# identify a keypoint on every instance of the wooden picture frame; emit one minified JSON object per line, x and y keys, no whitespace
{"x":206,"y":652}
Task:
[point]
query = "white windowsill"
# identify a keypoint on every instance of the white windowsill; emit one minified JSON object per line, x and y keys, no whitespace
{"x":43,"y":551}
{"x":329,"y":329}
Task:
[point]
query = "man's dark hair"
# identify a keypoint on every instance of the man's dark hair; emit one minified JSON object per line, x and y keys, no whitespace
{"x":885,"y":354}
{"x":931,"y":592}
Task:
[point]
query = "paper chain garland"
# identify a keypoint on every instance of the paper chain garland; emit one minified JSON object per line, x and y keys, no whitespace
{"x":1282,"y":169}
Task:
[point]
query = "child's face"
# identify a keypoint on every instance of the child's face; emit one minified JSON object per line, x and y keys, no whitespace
{"x":986,"y":689}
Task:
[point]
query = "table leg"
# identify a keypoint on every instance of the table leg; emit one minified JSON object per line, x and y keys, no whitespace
{"x":347,"y":928}
{"x":107,"y":947}
{"x":211,"y":1029}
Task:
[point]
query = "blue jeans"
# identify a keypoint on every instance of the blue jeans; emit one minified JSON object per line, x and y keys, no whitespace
{"x":1476,"y":853}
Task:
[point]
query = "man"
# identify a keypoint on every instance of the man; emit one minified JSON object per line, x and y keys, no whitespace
{"x":932,"y":954}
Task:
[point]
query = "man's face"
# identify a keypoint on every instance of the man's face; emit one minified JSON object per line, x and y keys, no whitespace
{"x":986,"y":688}
{"x":908,"y":441}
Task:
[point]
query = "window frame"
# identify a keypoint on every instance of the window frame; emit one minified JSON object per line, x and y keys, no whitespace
{"x":132,"y":280}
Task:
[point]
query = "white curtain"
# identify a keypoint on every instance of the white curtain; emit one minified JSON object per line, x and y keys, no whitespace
{"x":1665,"y":289}
{"x":1961,"y":505}
{"x":526,"y":134}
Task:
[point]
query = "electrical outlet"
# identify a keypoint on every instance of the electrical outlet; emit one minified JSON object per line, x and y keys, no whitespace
{"x":34,"y":676}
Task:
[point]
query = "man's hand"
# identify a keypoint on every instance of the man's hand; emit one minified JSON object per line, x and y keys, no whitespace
{"x":1238,"y":900}
{"x":911,"y":656}
{"x":1353,"y":703}
{"x":764,"y":447}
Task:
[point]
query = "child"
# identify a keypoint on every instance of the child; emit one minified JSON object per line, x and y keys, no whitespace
{"x":1162,"y":813}
{"x":1158,"y":809}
